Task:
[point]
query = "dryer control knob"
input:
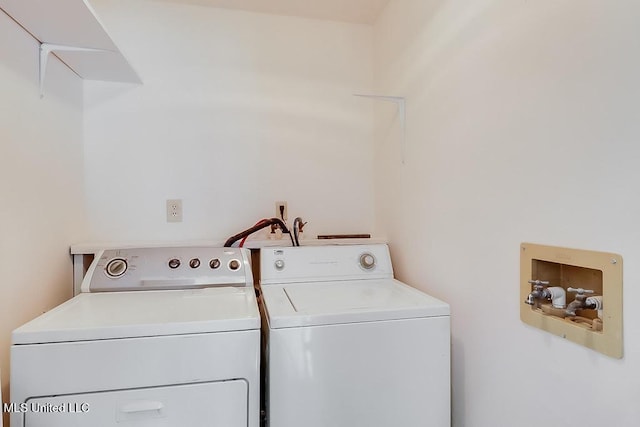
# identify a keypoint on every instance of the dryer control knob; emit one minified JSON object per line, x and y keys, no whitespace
{"x":367,"y":261}
{"x":279,"y":264}
{"x":234,"y":264}
{"x":174,"y":263}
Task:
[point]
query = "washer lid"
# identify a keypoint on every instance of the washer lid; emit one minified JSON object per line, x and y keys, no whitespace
{"x":143,"y":314}
{"x":327,"y":303}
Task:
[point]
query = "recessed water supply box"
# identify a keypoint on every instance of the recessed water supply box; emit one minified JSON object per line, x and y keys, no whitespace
{"x":573,"y":293}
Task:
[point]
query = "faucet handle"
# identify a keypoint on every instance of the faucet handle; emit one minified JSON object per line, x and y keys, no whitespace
{"x":580,"y":291}
{"x":539,"y":282}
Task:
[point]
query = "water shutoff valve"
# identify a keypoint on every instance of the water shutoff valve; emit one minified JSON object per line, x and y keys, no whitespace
{"x":539,"y":292}
{"x":582,"y":301}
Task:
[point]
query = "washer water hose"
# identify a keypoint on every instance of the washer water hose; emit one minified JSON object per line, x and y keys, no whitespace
{"x":262,"y":224}
{"x":297,"y":228}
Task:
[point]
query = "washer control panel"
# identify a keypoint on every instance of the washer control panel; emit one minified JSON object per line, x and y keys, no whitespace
{"x":168,"y":268}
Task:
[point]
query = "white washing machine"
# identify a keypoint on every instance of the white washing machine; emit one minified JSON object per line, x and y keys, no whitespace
{"x":347,"y":344}
{"x":162,"y":337}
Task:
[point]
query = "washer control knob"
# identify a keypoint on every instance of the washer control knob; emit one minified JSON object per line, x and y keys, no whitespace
{"x":194,"y":263}
{"x":116,"y":267}
{"x":174,"y":263}
{"x":279,"y":264}
{"x":214,"y":263}
{"x":367,"y":261}
{"x":234,"y":264}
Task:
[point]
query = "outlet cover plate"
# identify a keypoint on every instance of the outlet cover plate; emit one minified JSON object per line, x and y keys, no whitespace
{"x":174,"y":210}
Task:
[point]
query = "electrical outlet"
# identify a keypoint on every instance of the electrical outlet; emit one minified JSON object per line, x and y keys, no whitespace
{"x":174,"y":210}
{"x":281,"y":210}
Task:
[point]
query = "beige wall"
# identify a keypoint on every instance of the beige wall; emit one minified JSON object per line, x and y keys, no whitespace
{"x":522,"y":125}
{"x":41,"y":184}
{"x":238,"y":110}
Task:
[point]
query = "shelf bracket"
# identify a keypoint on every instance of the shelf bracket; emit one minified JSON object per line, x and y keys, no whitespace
{"x":400,"y":102}
{"x":47,"y":48}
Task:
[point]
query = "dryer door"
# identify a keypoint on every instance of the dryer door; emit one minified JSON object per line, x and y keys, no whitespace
{"x":222,"y":404}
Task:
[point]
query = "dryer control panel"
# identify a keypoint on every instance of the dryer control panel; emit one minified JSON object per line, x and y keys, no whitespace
{"x":138,"y":269}
{"x":324,"y":263}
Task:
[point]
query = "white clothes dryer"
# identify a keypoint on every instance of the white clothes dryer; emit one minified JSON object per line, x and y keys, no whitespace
{"x":163,"y":337}
{"x":347,"y":344}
